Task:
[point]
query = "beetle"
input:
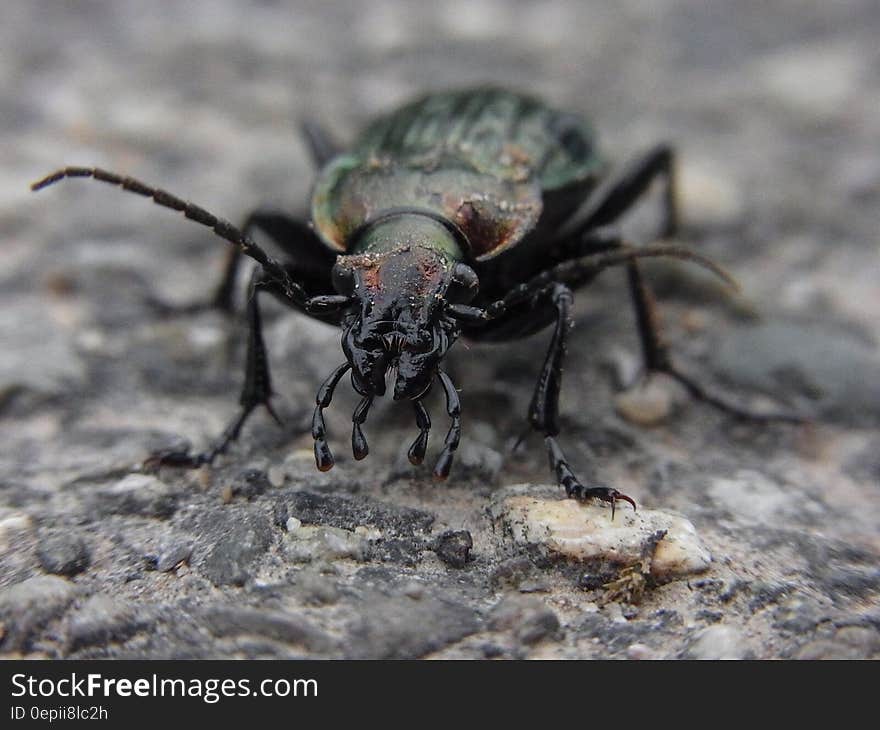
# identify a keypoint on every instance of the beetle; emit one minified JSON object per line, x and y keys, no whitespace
{"x":474,"y":213}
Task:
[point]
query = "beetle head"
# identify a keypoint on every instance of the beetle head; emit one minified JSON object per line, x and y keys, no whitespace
{"x":407,"y":271}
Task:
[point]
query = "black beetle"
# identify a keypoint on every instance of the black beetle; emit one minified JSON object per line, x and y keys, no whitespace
{"x":475,"y":213}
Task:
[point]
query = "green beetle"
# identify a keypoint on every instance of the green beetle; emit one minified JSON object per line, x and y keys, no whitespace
{"x":475,"y":212}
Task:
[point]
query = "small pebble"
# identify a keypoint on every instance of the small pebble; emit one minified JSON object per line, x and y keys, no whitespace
{"x":63,"y":553}
{"x":648,"y":403}
{"x":717,"y":642}
{"x":640,"y":652}
{"x":453,"y":547}
{"x":173,"y":555}
{"x":311,"y":543}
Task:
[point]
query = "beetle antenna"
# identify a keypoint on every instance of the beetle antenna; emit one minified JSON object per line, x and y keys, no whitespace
{"x":594,"y":263}
{"x":222,"y":228}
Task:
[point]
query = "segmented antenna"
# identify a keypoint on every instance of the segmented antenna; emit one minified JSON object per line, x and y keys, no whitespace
{"x":625,"y":254}
{"x":222,"y":228}
{"x":584,"y":268}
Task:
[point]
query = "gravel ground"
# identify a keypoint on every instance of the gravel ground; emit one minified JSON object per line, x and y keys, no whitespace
{"x":775,"y":110}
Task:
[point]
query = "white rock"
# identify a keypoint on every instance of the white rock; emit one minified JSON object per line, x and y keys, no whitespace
{"x":13,"y":525}
{"x":708,"y":194}
{"x":646,"y":404}
{"x":585,"y":532}
{"x":640,"y":652}
{"x":321,"y":542}
{"x":717,"y":642}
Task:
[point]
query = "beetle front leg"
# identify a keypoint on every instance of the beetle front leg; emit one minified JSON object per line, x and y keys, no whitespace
{"x":544,"y":408}
{"x":416,"y":453}
{"x":453,"y":436}
{"x":359,"y":446}
{"x":323,"y":455}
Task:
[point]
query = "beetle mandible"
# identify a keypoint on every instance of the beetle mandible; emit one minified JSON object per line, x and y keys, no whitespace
{"x":475,"y":212}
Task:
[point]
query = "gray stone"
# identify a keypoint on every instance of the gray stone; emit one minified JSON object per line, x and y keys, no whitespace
{"x":26,"y":607}
{"x":63,"y":553}
{"x":288,"y":628}
{"x":173,"y":554}
{"x":453,"y":547}
{"x":848,"y":642}
{"x":46,"y":362}
{"x":528,"y":618}
{"x":250,"y":483}
{"x":100,"y":620}
{"x":718,"y":641}
{"x":230,"y":560}
{"x":348,"y":513}
{"x":829,"y":371}
{"x":137,"y":494}
{"x":316,"y":588}
{"x":399,"y":627}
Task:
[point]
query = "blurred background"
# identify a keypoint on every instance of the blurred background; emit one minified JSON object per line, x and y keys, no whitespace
{"x":774,"y":108}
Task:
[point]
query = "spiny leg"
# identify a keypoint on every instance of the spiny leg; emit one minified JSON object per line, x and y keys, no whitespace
{"x":557,"y":281}
{"x":544,"y":409}
{"x":656,"y":355}
{"x":417,"y":451}
{"x":322,"y":147}
{"x":619,"y":192}
{"x":257,"y":388}
{"x":453,"y":436}
{"x":359,"y":446}
{"x":323,"y":456}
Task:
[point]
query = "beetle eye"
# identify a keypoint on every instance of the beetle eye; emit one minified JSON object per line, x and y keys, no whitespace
{"x":464,"y":285}
{"x":343,"y":279}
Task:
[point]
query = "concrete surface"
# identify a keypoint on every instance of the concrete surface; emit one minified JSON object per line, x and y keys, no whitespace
{"x":775,"y":109}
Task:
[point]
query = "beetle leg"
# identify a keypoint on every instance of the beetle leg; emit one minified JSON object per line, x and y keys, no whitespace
{"x":322,"y":146}
{"x":416,"y":452}
{"x":619,"y":192}
{"x":323,"y":456}
{"x":257,"y":388}
{"x":656,"y":355}
{"x":544,"y":408}
{"x":453,"y":436}
{"x":359,"y":446}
